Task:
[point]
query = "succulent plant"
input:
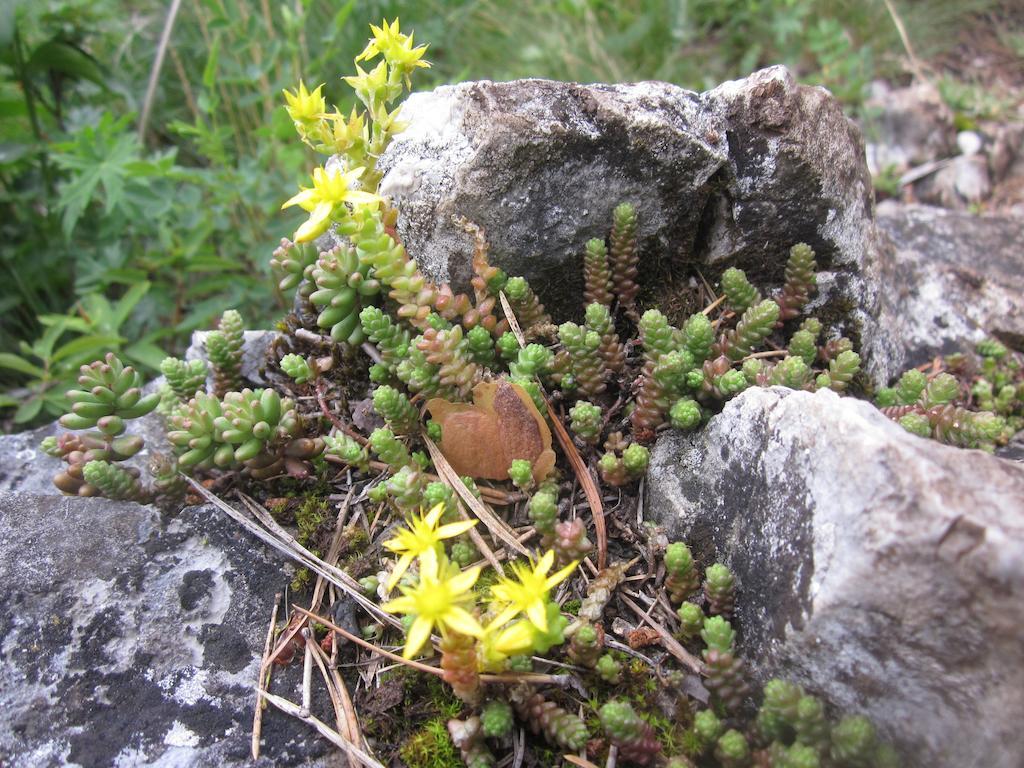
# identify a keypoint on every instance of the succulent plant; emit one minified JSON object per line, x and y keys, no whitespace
{"x":296,"y":367}
{"x":570,"y":541}
{"x":224,"y":350}
{"x":698,"y":337}
{"x":726,"y":676}
{"x":467,"y":736}
{"x":588,"y":366}
{"x":292,"y":264}
{"x":115,"y":482}
{"x":446,"y":349}
{"x":597,"y":278}
{"x":777,"y":716}
{"x":854,"y":742}
{"x":811,"y":725}
{"x":529,"y":311}
{"x":800,"y":280}
{"x":732,"y":750}
{"x":656,"y":335}
{"x":185,"y":378}
{"x":752,"y":329}
{"x":624,"y":259}
{"x":719,"y":584}
{"x":630,"y":733}
{"x":707,"y":727}
{"x":739,"y":293}
{"x":561,"y":728}
{"x":459,"y":662}
{"x":496,"y":719}
{"x":685,"y":414}
{"x":691,"y":620}
{"x":543,"y":510}
{"x":599,"y":320}
{"x":627,"y":468}
{"x":110,"y":395}
{"x":586,"y":645}
{"x":348,"y":450}
{"x":586,"y":421}
{"x":681,"y":578}
{"x":521,"y":474}
{"x":394,"y":407}
{"x":609,"y":669}
{"x":532,"y":360}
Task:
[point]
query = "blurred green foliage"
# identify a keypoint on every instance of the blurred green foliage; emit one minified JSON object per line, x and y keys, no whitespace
{"x":111,"y":239}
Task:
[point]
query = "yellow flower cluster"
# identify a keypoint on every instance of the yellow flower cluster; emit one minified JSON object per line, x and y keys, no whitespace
{"x":442,"y":600}
{"x":358,"y":139}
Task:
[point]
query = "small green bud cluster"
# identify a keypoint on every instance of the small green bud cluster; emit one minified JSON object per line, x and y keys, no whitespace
{"x":521,"y":474}
{"x":296,"y":367}
{"x":224,"y":350}
{"x":739,"y":293}
{"x":185,"y":378}
{"x":621,"y":470}
{"x":586,"y":421}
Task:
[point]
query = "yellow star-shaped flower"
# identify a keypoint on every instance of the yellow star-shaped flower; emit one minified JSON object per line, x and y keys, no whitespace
{"x":305,"y":107}
{"x":437,"y":601}
{"x":422,"y":539}
{"x":330,"y":190}
{"x":528,"y":592}
{"x":498,"y":643}
{"x":384,"y":37}
{"x":398,"y":49}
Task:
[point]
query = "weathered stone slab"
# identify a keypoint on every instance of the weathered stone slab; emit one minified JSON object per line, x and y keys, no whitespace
{"x":127,"y":639}
{"x":879,"y":569}
{"x":952,"y":279}
{"x":732,"y":176}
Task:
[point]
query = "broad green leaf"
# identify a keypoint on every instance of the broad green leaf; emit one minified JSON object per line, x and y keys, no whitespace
{"x":127,"y":303}
{"x":28,"y":410}
{"x":210,"y":70}
{"x":87,"y":345}
{"x":147,"y":353}
{"x":341,"y":17}
{"x":21,"y":365}
{"x":59,"y":56}
{"x":43,"y":347}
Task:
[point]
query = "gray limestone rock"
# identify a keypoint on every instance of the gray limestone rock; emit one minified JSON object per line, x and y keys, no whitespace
{"x":950,"y":279}
{"x":129,"y":639}
{"x":881,"y":570}
{"x":731,"y":176}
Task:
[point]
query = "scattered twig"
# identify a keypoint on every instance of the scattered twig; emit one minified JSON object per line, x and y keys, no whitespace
{"x":590,"y":489}
{"x":767,"y":353}
{"x":368,"y":645}
{"x":495,"y":525}
{"x":264,"y":680}
{"x":519,"y":747}
{"x":582,"y":762}
{"x":510,"y":315}
{"x":316,"y":654}
{"x":713,"y":305}
{"x":915,"y":63}
{"x":671,"y":645}
{"x":287,"y":545}
{"x":307,"y":676}
{"x":158,"y":64}
{"x":325,"y":730}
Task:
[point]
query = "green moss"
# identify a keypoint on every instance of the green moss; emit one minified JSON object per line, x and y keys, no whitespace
{"x":572,"y":607}
{"x":309,"y":515}
{"x":430,"y":747}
